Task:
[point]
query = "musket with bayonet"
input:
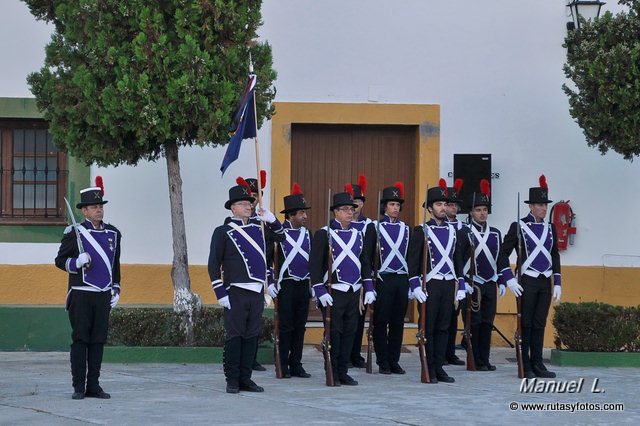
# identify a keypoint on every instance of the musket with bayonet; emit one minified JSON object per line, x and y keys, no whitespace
{"x":376,"y":266}
{"x":518,"y":334}
{"x":75,"y":227}
{"x":422,"y":328}
{"x":326,"y":341}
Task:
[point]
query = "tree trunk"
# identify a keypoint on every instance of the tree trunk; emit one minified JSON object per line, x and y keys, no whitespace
{"x":185,"y":302}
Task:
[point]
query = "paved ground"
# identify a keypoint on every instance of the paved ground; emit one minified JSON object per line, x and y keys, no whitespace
{"x":35,"y":389}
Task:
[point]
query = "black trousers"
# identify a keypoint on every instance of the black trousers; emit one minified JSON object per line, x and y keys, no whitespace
{"x":482,"y":322}
{"x":388,"y":318}
{"x":536,"y":300}
{"x":89,"y":318}
{"x":242,"y":327}
{"x":293,"y":310}
{"x":344,"y":318}
{"x":357,"y":339}
{"x":440,"y":299}
{"x":452,"y":333}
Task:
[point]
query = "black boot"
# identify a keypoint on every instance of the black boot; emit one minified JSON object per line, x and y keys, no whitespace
{"x":484,"y":344}
{"x":78,"y":359}
{"x":537,"y":342}
{"x":247,"y":358}
{"x":231,"y":363}
{"x":94,"y":362}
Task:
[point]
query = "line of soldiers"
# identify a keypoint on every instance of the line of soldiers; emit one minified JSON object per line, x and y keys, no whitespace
{"x":381,"y":262}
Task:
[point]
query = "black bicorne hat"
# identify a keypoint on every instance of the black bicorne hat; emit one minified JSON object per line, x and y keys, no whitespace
{"x":539,"y":194}
{"x":295,"y":201}
{"x":93,"y":195}
{"x":342,"y":199}
{"x":237,"y":193}
{"x":393,"y":193}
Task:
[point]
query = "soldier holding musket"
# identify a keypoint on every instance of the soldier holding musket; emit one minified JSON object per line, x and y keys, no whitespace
{"x":361,"y":223}
{"x":350,"y":271}
{"x":392,"y":284}
{"x":238,"y":271}
{"x":453,"y":206}
{"x":540,"y":267}
{"x":292,"y":290}
{"x":444,"y":275}
{"x":483,"y":241}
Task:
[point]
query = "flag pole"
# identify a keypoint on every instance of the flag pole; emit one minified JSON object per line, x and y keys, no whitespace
{"x":267,"y":299}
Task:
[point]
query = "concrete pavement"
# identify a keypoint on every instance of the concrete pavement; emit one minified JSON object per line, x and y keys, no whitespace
{"x":35,"y":388}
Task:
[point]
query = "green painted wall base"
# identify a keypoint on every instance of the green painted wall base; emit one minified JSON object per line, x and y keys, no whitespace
{"x":34,"y":328}
{"x":595,"y":359}
{"x":172,"y":354}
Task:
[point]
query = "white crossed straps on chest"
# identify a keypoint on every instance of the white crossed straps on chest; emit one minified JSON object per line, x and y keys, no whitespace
{"x":296,"y":248}
{"x":346,"y":251}
{"x":98,"y":248}
{"x":445,"y":259}
{"x":481,"y":246}
{"x":539,"y":245}
{"x":394,"y":247}
{"x":249,"y":240}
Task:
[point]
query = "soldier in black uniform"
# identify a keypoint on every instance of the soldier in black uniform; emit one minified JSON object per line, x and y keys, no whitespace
{"x":293,"y":283}
{"x":540,"y":262}
{"x":90,"y":253}
{"x":360,"y":222}
{"x":351,"y":270}
{"x":238,"y":254}
{"x":392,"y":286}
{"x":485,"y":241}
{"x":453,"y":206}
{"x":444,"y":270}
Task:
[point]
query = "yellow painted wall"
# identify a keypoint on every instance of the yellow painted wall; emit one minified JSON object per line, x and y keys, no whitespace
{"x":151,"y":284}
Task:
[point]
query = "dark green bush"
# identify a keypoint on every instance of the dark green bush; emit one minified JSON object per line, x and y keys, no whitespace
{"x":597,"y":327}
{"x":161,"y":327}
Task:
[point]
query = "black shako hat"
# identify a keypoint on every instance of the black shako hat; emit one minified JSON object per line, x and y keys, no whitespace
{"x":539,"y":194}
{"x":342,"y":199}
{"x":295,"y":201}
{"x":237,"y":193}
{"x":93,"y":195}
{"x":253,"y":182}
{"x":359,"y":188}
{"x":481,"y":198}
{"x":437,"y":193}
{"x":393,"y":193}
{"x":454,"y":192}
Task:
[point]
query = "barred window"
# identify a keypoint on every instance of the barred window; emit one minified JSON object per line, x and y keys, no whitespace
{"x":33,"y":174}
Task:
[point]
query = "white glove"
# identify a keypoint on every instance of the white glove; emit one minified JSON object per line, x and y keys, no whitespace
{"x":224,"y":302}
{"x":461,"y":295}
{"x":266,"y":216}
{"x":273,"y":291}
{"x":515,"y":287}
{"x":82,"y":260}
{"x":501,"y":290}
{"x":557,"y":292}
{"x":369,"y":297}
{"x":326,"y":299}
{"x":410,"y":295}
{"x":469,"y":288}
{"x":114,"y":299}
{"x":419,"y":295}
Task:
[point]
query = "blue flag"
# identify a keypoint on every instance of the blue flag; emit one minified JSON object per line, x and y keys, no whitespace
{"x":243,"y":125}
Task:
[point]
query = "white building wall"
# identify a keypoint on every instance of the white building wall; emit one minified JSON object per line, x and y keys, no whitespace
{"x":495,"y":67}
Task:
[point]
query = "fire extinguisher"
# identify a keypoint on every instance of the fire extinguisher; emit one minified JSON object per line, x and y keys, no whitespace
{"x":564,"y":219}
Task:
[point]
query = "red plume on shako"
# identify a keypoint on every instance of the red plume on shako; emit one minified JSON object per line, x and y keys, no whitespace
{"x":362,"y":182}
{"x":295,"y":189}
{"x":458,"y":185}
{"x":263,"y":179}
{"x":443,"y":184}
{"x":349,"y":188}
{"x":100,"y":184}
{"x":400,"y":187}
{"x":485,"y":188}
{"x":241,"y":181}
{"x":543,"y":182}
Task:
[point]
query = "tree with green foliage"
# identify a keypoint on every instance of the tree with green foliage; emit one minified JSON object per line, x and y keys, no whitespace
{"x":132,"y":80}
{"x":603,"y":61}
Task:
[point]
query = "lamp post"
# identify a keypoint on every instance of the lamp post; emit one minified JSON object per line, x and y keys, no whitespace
{"x":583,"y":9}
